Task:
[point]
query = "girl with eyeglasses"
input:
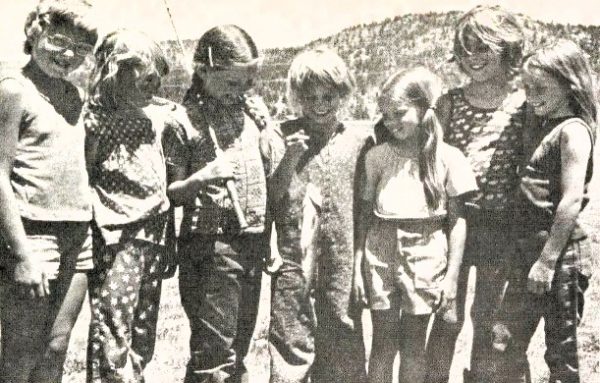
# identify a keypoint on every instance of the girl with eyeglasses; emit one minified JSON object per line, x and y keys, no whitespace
{"x":45,"y":204}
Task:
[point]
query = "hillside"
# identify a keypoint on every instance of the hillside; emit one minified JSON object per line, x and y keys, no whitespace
{"x":374,"y":51}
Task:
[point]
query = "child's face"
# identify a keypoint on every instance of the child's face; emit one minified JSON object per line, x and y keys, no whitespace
{"x":137,"y":83}
{"x":320,"y":104}
{"x":228,"y":85}
{"x":59,"y":50}
{"x":481,"y":63}
{"x":545,"y":93}
{"x":401,"y":119}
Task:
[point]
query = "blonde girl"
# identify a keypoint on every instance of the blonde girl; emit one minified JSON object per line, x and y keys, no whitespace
{"x":484,"y":118}
{"x":127,"y":170}
{"x":552,"y":265}
{"x":314,"y":163}
{"x":411,"y":237}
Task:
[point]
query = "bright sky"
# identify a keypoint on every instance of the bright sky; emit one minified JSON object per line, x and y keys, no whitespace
{"x":274,"y":23}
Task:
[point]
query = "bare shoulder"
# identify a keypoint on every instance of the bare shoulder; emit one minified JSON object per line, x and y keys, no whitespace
{"x":576,"y":134}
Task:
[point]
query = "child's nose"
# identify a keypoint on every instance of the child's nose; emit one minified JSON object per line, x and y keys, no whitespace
{"x":68,"y":52}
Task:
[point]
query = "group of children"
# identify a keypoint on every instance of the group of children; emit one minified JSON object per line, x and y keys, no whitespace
{"x":492,"y":174}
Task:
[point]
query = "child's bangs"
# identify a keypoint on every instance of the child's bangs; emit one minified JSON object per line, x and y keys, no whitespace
{"x":136,"y":49}
{"x":494,"y":28}
{"x":71,"y":15}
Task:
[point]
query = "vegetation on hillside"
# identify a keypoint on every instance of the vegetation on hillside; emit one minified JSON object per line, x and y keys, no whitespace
{"x":374,"y":51}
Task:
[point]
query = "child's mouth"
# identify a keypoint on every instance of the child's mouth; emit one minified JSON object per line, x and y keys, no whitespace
{"x":477,"y":67}
{"x":62,"y":64}
{"x":538,"y":104}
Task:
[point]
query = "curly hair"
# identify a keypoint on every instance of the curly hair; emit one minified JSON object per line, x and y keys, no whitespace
{"x":66,"y":13}
{"x":116,"y":49}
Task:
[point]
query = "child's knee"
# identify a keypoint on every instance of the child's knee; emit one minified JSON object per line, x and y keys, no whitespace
{"x":501,"y":337}
{"x":58,"y":345}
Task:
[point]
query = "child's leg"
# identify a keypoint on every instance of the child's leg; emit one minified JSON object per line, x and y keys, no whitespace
{"x":146,"y":313}
{"x":23,"y":333}
{"x":291,"y":332}
{"x":65,"y":308}
{"x":36,"y":332}
{"x":516,"y":322}
{"x":562,"y":315}
{"x":412,"y":336}
{"x":386,"y":333}
{"x":211,"y":281}
{"x":443,"y":336}
{"x":122,"y":295}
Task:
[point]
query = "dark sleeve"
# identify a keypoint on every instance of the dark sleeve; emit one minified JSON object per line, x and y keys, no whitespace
{"x":272,"y":148}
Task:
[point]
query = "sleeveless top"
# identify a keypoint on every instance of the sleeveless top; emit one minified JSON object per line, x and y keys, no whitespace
{"x":545,"y":164}
{"x":237,"y":131}
{"x":49,"y":177}
{"x":492,"y":141}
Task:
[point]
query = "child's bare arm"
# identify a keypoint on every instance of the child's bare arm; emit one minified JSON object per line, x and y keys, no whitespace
{"x":183,"y":190}
{"x":457,"y":233}
{"x":295,"y":146}
{"x":575,"y":152}
{"x":26,"y":270}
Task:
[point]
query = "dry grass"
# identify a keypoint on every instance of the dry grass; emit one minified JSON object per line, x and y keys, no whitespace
{"x":171,"y":353}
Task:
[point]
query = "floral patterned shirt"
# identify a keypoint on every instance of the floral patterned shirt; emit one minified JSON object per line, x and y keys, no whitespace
{"x":128,"y":175}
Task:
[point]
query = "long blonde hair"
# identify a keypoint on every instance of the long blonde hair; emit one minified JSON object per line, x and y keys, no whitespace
{"x":422,"y":88}
{"x":569,"y":64}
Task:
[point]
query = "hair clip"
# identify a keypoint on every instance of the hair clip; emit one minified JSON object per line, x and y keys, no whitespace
{"x":210,"y":59}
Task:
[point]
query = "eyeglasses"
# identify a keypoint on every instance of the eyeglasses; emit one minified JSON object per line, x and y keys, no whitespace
{"x":59,"y":41}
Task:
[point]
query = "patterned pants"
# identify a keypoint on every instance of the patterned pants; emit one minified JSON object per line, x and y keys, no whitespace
{"x":561,"y":309}
{"x":124,"y":298}
{"x":219,"y":284}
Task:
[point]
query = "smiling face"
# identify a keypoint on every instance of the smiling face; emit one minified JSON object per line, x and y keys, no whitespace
{"x":136,"y":84}
{"x":228,"y":85}
{"x":480,"y":62}
{"x":402,"y":119}
{"x":545,"y":93}
{"x":60,"y":50}
{"x":320,"y":104}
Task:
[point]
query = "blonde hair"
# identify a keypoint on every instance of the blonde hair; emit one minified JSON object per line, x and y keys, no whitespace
{"x":318,"y":67}
{"x":118,"y":48}
{"x":494,"y":27}
{"x":421,"y":88}
{"x":69,"y":13}
{"x":569,"y":64}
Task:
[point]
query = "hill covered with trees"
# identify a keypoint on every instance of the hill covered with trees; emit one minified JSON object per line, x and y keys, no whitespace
{"x":376,"y":50}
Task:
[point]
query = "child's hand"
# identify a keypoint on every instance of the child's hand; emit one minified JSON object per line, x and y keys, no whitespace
{"x":30,"y":279}
{"x":540,"y":277}
{"x":358,"y":284}
{"x":273,"y":263}
{"x":536,"y":191}
{"x":296,"y":144}
{"x":220,"y":168}
{"x":447,"y":307}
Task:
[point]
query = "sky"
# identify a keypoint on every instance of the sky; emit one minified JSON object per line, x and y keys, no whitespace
{"x":273,"y":23}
